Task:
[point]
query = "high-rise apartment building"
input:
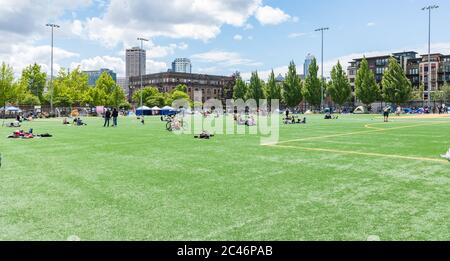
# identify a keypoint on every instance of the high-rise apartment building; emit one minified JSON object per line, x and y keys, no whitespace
{"x":135,"y":62}
{"x":182,"y":65}
{"x":308,"y":60}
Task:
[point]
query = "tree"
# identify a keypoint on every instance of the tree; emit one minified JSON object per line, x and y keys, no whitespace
{"x":446,"y":90}
{"x":107,"y":92}
{"x":312,"y":88}
{"x":95,"y":97}
{"x":152,"y":97}
{"x":181,"y":88}
{"x":273,"y":90}
{"x":396,"y":86}
{"x":117,"y":96}
{"x":61,"y":90}
{"x":239,"y":89}
{"x":366,"y":88}
{"x":6,"y":85}
{"x":255,"y":89}
{"x":292,"y":87}
{"x":34,"y":80}
{"x":417,"y":94}
{"x":339,"y":88}
{"x":30,"y":99}
{"x":78,"y":84}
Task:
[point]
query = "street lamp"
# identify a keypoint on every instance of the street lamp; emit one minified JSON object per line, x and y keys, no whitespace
{"x":140,"y":71}
{"x":321,"y":85}
{"x":429,"y":8}
{"x":51,"y":66}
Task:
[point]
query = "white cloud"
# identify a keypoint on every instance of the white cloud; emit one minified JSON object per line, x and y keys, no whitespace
{"x":238,"y":37}
{"x":95,"y":63}
{"x":116,"y":64}
{"x":225,"y":59}
{"x":155,"y":66}
{"x":371,"y":24}
{"x":26,"y":54}
{"x":157,"y":51}
{"x":296,"y":35}
{"x":248,"y":26}
{"x":267,"y":15}
{"x":76,"y":27}
{"x":194,"y":19}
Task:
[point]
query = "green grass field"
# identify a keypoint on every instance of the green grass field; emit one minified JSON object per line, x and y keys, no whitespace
{"x":343,"y":179}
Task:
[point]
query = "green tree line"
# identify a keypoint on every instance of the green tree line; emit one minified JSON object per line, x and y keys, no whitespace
{"x":68,"y":89}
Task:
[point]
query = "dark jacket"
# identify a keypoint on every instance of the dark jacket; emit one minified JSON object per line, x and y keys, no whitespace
{"x":108,"y":114}
{"x":115,"y":114}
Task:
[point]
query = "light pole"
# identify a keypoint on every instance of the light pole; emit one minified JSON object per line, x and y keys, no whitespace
{"x":321,"y":84}
{"x":429,"y":8}
{"x":51,"y":70}
{"x":140,"y":70}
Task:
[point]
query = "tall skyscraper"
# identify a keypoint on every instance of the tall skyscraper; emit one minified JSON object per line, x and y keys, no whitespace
{"x":182,"y":65}
{"x":135,"y":62}
{"x":308,"y":60}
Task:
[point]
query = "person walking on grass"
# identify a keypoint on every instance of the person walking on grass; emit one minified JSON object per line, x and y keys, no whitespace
{"x":115,"y":114}
{"x":107,"y":118}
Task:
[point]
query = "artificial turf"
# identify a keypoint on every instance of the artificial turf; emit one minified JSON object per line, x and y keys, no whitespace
{"x":342,"y":179}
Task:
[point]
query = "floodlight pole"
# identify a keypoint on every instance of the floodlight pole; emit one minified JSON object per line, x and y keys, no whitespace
{"x":52,"y":26}
{"x":321,"y":84}
{"x":140,"y":71}
{"x":429,"y":8}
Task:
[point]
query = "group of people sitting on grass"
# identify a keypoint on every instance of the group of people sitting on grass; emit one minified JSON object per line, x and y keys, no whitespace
{"x":249,"y":120}
{"x":20,"y":134}
{"x":76,"y":122}
{"x":329,"y":116}
{"x":294,"y":120}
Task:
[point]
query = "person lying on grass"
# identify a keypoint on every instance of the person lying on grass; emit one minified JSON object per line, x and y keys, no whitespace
{"x":20,"y":134}
{"x":204,"y":135}
{"x":446,"y":156}
{"x":15,"y":124}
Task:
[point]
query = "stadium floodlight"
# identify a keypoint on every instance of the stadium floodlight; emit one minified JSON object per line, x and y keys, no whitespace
{"x":140,"y":71}
{"x":429,"y":8}
{"x":53,"y":26}
{"x":321,"y":85}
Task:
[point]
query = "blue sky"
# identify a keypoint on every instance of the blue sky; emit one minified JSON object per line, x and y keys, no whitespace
{"x":219,"y":36}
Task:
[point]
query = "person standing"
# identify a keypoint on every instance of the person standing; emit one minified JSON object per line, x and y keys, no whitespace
{"x":386,"y":112}
{"x":115,"y":114}
{"x":107,"y":118}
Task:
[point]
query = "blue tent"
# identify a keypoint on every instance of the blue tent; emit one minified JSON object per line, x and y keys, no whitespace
{"x":168,"y":111}
{"x":11,"y":109}
{"x":144,"y":110}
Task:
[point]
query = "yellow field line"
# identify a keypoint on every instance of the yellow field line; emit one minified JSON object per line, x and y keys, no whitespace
{"x":360,"y":132}
{"x":363,"y":153}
